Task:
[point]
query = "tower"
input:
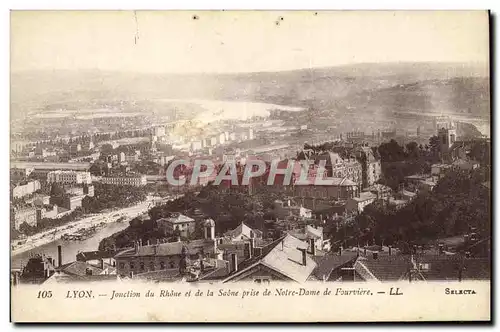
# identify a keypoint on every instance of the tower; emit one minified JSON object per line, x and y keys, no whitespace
{"x":446,"y":136}
{"x":209,"y":229}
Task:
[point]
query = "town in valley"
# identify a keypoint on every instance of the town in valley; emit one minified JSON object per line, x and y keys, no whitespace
{"x":405,"y":145}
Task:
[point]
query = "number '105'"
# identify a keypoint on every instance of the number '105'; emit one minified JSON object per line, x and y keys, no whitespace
{"x":44,"y":294}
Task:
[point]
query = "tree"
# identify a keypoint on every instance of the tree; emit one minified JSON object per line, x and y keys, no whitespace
{"x":412,"y":150}
{"x":57,"y":195}
{"x":434,"y":146}
{"x":391,"y":151}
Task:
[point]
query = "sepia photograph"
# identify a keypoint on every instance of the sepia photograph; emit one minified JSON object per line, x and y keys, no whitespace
{"x":250,"y":166}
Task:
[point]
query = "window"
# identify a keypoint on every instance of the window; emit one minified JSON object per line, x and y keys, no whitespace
{"x":151,"y":266}
{"x":262,"y":280}
{"x":424,"y":266}
{"x":132,"y":265}
{"x":142,"y":266}
{"x":172,"y":265}
{"x":162,"y":265}
{"x":122,"y":266}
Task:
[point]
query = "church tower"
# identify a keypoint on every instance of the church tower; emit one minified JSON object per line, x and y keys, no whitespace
{"x":446,"y":136}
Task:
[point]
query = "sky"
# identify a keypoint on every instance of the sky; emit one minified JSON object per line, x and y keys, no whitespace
{"x":215,"y":41}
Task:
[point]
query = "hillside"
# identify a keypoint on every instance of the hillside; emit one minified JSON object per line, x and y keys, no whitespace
{"x":371,"y":88}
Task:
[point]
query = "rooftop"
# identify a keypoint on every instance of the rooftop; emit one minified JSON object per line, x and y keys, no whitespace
{"x":365,"y":196}
{"x":177,"y":218}
{"x":282,"y":256}
{"x":330,"y":262}
{"x":169,"y":249}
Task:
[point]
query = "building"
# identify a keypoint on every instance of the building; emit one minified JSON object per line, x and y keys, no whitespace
{"x":39,"y":200}
{"x":286,"y":259}
{"x":162,"y":256}
{"x":176,"y":222}
{"x":26,"y":189}
{"x":438,"y":171}
{"x":20,"y":173}
{"x":355,"y":136}
{"x":72,"y":202}
{"x":131,"y":158}
{"x":338,"y":167}
{"x":446,"y":137}
{"x":357,"y":204}
{"x":221,"y":138}
{"x":159,"y":131}
{"x":88,"y":146}
{"x":424,"y":267}
{"x":196,"y":145}
{"x":29,"y":215}
{"x":282,"y":210}
{"x":466,"y":165}
{"x":340,"y":189}
{"x":336,"y":267}
{"x":69,"y":177}
{"x":381,"y":191}
{"x":370,"y":166}
{"x":136,"y":180}
{"x":243,"y":232}
{"x":310,"y":233}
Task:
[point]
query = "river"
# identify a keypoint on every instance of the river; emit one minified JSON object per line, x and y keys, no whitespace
{"x":69,"y":248}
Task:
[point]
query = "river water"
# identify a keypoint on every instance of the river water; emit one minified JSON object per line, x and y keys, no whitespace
{"x":69,"y":248}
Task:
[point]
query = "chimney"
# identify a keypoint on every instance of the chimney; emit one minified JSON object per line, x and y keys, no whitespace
{"x":441,"y":249}
{"x":312,"y":247}
{"x":390,"y":250}
{"x":140,"y":242}
{"x":365,"y":251}
{"x":375,"y":255}
{"x":233,"y":262}
{"x":148,"y":243}
{"x":202,"y":266}
{"x":304,"y":256}
{"x":340,"y":250}
{"x":102,"y":263}
{"x":252,"y":247}
{"x":59,"y":255}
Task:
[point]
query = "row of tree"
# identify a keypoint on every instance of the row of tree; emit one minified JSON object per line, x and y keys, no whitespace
{"x":458,"y":203}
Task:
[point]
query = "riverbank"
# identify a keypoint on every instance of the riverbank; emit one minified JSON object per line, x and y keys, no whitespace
{"x":55,"y":234}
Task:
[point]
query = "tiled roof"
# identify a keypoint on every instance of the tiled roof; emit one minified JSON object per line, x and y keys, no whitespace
{"x":64,"y":278}
{"x":80,"y":268}
{"x":442,"y":267}
{"x":365,"y":196}
{"x":177,"y":219}
{"x":330,"y":262}
{"x":245,"y":230}
{"x":386,"y":268}
{"x":216,"y":274}
{"x":284,"y":257}
{"x":170,"y":249}
{"x":94,"y":255}
{"x":308,"y":232}
{"x":431,"y":267}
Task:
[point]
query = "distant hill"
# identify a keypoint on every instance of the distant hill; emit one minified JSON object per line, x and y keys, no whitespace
{"x":402,"y":87}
